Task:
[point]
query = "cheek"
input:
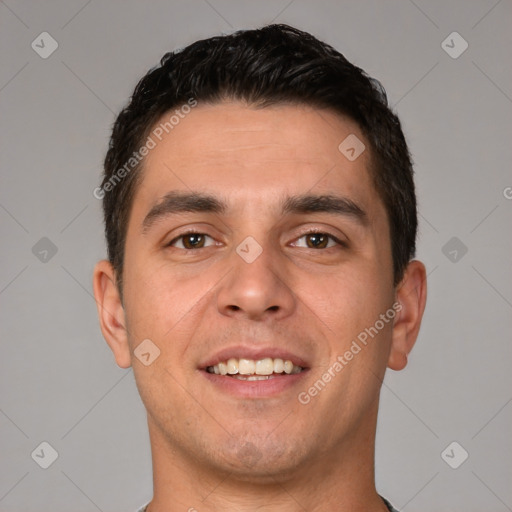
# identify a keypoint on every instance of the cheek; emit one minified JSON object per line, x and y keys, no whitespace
{"x":165,"y":304}
{"x":345,"y":298}
{"x":347,"y":306}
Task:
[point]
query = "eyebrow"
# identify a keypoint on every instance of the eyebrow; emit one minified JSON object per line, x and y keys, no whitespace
{"x":181,"y":202}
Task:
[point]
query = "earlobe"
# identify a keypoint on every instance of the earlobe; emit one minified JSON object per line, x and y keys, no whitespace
{"x":411,"y":295}
{"x":111,"y":312}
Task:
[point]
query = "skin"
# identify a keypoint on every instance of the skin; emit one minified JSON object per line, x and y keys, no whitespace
{"x":213,"y":451}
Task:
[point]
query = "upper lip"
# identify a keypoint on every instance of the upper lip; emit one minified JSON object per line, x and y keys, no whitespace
{"x":248,"y":352}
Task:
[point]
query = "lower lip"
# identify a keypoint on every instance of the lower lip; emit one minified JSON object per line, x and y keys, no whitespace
{"x":255,"y":388}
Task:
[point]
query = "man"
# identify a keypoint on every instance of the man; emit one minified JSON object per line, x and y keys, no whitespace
{"x":260,"y":220}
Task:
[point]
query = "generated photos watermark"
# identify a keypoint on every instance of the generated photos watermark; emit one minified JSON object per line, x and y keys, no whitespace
{"x":343,"y":360}
{"x":157,"y":134}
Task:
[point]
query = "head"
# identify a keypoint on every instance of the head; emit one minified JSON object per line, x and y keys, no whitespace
{"x":276,"y":65}
{"x":244,"y":146}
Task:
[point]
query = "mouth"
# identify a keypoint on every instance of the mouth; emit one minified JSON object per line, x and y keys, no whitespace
{"x":242,"y":372}
{"x":253,"y":370}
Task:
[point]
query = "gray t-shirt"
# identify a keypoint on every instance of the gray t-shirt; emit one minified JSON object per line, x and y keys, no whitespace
{"x":390,"y":507}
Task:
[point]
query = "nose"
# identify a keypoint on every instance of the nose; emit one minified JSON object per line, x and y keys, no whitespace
{"x":256,"y":289}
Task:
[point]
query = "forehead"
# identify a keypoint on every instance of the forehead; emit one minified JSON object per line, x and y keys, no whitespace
{"x":253,"y":155}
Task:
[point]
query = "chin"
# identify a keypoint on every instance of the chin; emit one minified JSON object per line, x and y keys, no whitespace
{"x":260,"y":461}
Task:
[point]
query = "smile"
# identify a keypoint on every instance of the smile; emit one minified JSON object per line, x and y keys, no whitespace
{"x":254,"y":378}
{"x":250,"y":369}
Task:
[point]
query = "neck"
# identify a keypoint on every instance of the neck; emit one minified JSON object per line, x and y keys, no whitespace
{"x":341,"y":479}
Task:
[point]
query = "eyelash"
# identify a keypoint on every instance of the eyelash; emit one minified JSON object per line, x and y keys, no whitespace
{"x":339,"y":242}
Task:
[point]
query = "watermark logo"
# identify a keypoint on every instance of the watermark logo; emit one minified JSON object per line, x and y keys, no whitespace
{"x":44,"y":455}
{"x":454,"y":249}
{"x":454,"y":455}
{"x":44,"y":250}
{"x":44,"y":45}
{"x":304,"y":397}
{"x":352,"y":147}
{"x":454,"y":45}
{"x":146,"y":352}
{"x":249,"y":249}
{"x":156,"y":135}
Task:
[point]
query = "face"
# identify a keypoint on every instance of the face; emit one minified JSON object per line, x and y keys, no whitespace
{"x":273,"y":274}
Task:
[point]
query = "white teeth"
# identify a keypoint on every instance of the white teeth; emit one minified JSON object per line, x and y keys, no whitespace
{"x":278,"y":366}
{"x":265,"y":366}
{"x":232,"y":365}
{"x":262,"y":368}
{"x":246,"y":366}
{"x":252,"y":377}
{"x":288,"y":367}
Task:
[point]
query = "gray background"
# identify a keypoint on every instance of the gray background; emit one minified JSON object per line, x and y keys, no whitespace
{"x":59,"y":382}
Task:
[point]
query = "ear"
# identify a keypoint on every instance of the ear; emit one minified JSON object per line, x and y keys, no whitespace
{"x":111,"y":312}
{"x":411,"y":294}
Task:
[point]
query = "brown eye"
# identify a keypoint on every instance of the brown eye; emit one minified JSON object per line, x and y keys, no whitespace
{"x":190,"y":241}
{"x":319,"y":240}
